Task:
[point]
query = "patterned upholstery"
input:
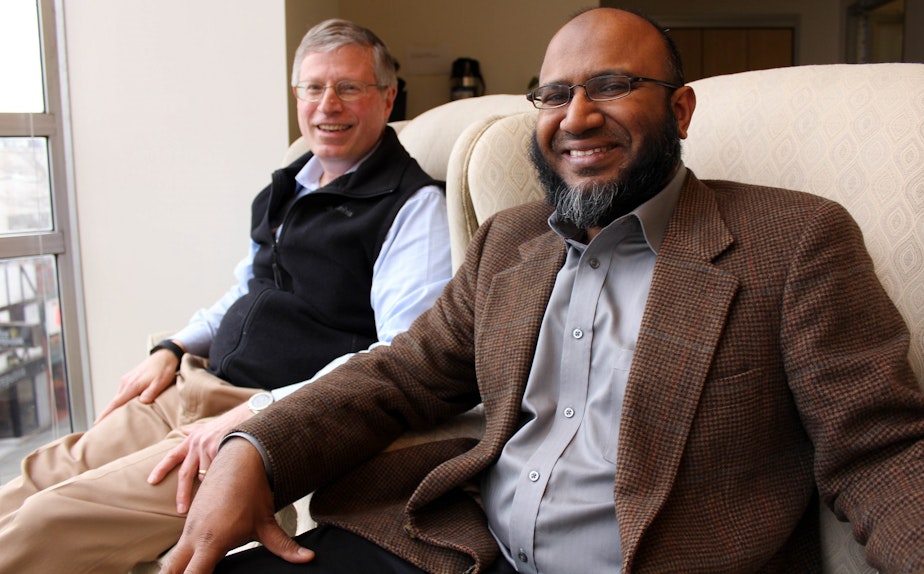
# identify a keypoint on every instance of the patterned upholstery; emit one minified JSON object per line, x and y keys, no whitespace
{"x":852,"y":133}
{"x":489,"y":156}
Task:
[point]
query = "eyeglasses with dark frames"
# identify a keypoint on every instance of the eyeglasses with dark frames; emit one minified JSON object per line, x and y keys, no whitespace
{"x":599,"y":89}
{"x":346,"y":90}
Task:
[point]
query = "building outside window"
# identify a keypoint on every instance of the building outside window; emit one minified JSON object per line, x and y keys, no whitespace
{"x":43,"y":386}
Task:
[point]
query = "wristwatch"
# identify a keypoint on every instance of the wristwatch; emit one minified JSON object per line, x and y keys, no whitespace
{"x":260,"y":401}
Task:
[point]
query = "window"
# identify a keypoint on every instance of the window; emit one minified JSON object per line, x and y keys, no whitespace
{"x":42,"y":388}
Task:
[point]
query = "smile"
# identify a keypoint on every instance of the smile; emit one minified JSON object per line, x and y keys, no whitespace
{"x":333,"y":127}
{"x":585,"y":153}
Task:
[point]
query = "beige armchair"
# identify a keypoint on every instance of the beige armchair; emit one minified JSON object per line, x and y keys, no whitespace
{"x":852,"y":133}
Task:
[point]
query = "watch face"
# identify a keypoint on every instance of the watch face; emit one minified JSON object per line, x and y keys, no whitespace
{"x":260,"y":401}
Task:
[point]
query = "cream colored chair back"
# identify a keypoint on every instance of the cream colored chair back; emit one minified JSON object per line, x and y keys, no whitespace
{"x":851,"y":133}
{"x":489,"y":170}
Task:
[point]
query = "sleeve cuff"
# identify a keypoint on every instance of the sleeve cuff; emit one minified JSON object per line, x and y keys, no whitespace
{"x":256,"y":444}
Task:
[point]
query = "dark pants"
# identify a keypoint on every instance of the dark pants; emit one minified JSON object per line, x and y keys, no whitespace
{"x":337,"y":552}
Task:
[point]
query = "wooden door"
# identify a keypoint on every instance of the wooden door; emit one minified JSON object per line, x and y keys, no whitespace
{"x":715,"y":51}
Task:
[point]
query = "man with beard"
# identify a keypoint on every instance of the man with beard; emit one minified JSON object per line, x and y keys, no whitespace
{"x":672,"y":372}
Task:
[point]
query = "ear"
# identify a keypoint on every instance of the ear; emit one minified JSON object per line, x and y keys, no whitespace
{"x":683,"y":102}
{"x":390,"y":94}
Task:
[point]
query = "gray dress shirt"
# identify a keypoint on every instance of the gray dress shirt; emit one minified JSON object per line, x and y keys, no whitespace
{"x":549,"y":498}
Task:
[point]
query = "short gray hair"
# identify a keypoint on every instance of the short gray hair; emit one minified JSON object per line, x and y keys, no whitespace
{"x":335,"y":33}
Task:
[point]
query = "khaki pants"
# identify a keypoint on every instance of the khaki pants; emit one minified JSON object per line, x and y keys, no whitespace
{"x":83,"y":504}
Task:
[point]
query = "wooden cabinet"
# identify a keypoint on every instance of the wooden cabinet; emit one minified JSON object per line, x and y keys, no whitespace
{"x":715,"y":51}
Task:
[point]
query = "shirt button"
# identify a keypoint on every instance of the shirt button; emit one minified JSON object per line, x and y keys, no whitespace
{"x":522,"y":556}
{"x":569,"y":412}
{"x":534,"y":475}
{"x":594,"y":263}
{"x":577,"y":333}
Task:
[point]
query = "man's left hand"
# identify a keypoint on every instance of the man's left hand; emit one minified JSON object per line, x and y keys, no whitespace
{"x":233,"y":506}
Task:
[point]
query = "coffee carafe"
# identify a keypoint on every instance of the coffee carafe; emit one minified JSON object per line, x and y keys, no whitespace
{"x":466,"y":80}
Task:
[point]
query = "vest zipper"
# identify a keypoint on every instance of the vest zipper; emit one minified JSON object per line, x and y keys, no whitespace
{"x":280,"y":231}
{"x":277,"y":274}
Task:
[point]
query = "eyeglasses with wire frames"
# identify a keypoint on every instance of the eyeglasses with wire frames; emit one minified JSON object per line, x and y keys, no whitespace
{"x":346,"y":90}
{"x":598,"y":89}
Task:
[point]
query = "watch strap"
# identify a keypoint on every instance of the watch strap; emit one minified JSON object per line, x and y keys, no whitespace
{"x":177,"y":351}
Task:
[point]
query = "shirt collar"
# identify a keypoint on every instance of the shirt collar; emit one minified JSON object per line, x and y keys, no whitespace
{"x":653,"y":215}
{"x":309,"y":177}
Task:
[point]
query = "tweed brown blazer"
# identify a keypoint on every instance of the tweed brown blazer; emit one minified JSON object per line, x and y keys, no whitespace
{"x":771,"y":369}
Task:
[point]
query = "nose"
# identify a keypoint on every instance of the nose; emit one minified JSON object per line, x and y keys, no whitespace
{"x":329,"y":101}
{"x":581,"y":113}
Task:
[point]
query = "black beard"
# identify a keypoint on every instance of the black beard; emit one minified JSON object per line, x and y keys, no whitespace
{"x":599,"y":204}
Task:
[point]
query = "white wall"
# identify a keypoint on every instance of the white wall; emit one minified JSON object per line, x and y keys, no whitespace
{"x":178,"y":111}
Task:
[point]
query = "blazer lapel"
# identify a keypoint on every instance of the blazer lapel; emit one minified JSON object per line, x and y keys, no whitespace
{"x":509,"y":324}
{"x":507,"y":328}
{"x":683,"y":321}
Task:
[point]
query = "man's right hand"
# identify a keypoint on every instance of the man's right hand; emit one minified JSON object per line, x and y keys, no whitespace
{"x":146,"y":381}
{"x":233,"y":506}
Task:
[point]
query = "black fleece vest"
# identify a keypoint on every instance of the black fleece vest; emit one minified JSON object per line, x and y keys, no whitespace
{"x":308,"y":302}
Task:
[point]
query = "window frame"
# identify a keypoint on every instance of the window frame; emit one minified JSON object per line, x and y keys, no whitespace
{"x":62,"y":240}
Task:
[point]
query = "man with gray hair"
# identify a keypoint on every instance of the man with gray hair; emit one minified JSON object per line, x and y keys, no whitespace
{"x":349,"y":244}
